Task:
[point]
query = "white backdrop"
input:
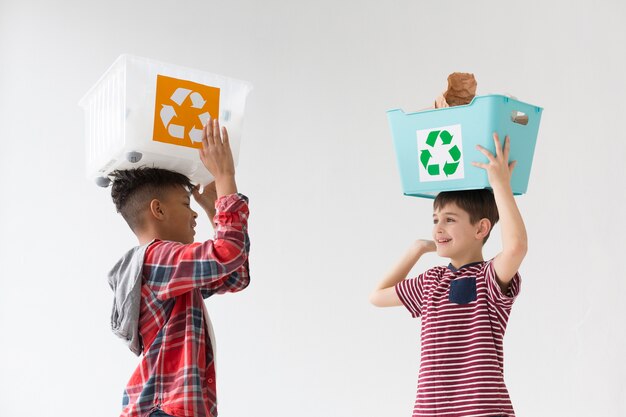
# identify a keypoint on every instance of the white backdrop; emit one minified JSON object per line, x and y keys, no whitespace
{"x":327,"y":214}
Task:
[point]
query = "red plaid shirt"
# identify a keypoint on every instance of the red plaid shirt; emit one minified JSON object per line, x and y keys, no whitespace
{"x":177,"y":371}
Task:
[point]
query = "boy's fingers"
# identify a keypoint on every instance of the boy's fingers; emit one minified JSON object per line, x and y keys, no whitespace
{"x":209,"y":133}
{"x":496,"y":141}
{"x":216,"y":132}
{"x":209,"y":188}
{"x":507,"y":147}
{"x":479,"y":165}
{"x":485,"y":152}
{"x":224,"y":136}
{"x":512,"y":166}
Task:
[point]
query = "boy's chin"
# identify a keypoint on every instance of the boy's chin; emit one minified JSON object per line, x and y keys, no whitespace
{"x":447,"y":254}
{"x":443,"y":252}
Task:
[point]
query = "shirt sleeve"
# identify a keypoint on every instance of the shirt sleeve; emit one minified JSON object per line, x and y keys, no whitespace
{"x":173,"y":268}
{"x":493,"y":288}
{"x":235,"y":282}
{"x":411,"y":292}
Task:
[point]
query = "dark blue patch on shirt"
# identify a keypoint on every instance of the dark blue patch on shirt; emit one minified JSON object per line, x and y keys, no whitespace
{"x":463,"y":290}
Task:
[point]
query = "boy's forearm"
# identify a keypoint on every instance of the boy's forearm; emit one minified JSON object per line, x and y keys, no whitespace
{"x":514,"y":238}
{"x":211,"y":214}
{"x":225,"y":185}
{"x":210,"y":211}
{"x":400,"y":271}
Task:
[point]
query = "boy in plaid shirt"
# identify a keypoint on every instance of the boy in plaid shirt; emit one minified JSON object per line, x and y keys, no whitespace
{"x":160,"y":285}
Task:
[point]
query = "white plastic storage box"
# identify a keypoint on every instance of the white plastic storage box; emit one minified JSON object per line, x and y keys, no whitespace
{"x":147,"y":113}
{"x":435,"y":148}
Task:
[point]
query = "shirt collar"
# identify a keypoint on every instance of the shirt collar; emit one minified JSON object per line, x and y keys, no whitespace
{"x":453,"y":269}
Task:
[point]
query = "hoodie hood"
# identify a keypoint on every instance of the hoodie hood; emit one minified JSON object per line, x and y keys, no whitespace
{"x":125,"y":281}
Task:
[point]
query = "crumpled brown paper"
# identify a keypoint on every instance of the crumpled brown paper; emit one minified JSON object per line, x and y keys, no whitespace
{"x":461,"y":90}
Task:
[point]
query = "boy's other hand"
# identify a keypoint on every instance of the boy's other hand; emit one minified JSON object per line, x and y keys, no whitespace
{"x":425,"y":246}
{"x":217,"y":157}
{"x":206,"y":199}
{"x":498,"y":168}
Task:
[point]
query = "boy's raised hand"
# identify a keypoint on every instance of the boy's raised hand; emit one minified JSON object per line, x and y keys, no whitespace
{"x":217,"y":157}
{"x":498,"y":168}
{"x":514,"y":239}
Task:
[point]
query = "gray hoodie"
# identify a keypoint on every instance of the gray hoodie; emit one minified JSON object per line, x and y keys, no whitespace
{"x":125,"y":281}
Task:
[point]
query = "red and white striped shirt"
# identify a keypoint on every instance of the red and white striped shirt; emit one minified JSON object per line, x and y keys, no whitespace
{"x":464,"y":317}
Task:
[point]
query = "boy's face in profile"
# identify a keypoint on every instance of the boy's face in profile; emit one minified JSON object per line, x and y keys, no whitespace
{"x":453,"y":233}
{"x":180,"y":219}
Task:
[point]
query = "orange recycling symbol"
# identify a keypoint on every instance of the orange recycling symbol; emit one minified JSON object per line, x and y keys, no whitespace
{"x":181,"y":110}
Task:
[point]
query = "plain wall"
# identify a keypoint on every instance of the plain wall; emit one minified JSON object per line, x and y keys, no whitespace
{"x":328,"y":217}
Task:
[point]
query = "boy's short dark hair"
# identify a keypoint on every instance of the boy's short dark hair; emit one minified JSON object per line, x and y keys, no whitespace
{"x":479,"y":204}
{"x":133,"y":189}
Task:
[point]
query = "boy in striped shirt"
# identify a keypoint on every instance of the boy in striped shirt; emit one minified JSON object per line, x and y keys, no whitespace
{"x":465,"y":306}
{"x":160,"y":286}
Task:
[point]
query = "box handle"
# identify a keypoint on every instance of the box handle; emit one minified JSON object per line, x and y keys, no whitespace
{"x":519,"y":117}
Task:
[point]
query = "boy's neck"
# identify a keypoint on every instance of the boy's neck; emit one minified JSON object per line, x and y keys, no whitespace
{"x":144,"y":240}
{"x":469,"y":258}
{"x":147,"y":236}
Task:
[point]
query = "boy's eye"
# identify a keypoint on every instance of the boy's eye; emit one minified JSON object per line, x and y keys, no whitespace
{"x":435,"y":221}
{"x":449,"y":220}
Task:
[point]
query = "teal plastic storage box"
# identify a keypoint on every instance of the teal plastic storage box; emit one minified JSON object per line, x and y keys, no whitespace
{"x":435,"y":148}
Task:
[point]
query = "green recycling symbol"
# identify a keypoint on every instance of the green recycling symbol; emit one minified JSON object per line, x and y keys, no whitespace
{"x":449,"y":167}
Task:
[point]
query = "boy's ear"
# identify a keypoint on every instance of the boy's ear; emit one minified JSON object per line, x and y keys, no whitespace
{"x":483,"y":228}
{"x":157,"y":210}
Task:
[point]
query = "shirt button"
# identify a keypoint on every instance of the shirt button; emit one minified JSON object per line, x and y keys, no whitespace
{"x":210,"y":380}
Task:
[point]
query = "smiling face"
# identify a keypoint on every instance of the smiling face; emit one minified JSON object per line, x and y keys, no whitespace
{"x":179,"y":219}
{"x":455,"y":236}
